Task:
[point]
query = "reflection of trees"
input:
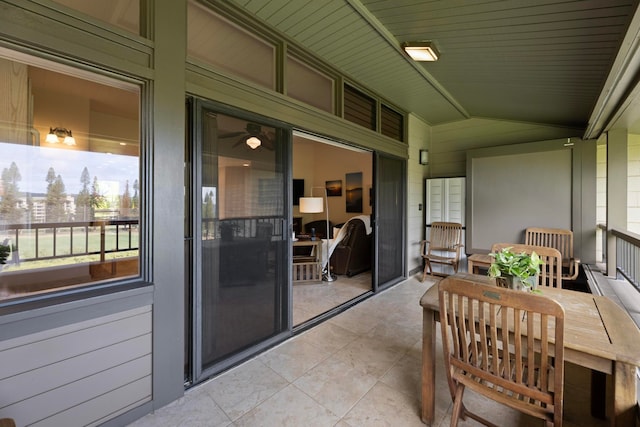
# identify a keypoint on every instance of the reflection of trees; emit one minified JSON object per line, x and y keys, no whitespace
{"x":135,"y":200}
{"x":83,"y":201}
{"x":57,"y":205}
{"x":125,"y":201}
{"x":10,"y":211}
{"x":96,"y":200}
{"x":56,"y":198}
{"x":207,"y":212}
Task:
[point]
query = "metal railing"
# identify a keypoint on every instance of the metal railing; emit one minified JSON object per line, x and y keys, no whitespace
{"x":213,"y":228}
{"x":42,"y":241}
{"x":627,"y":256}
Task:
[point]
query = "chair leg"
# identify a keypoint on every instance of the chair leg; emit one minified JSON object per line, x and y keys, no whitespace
{"x":458,"y":408}
{"x":427,"y":266}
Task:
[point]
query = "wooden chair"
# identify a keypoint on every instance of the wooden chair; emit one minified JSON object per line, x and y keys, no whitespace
{"x":550,"y":272}
{"x":560,"y":239}
{"x":504,"y":344}
{"x":443,"y":246}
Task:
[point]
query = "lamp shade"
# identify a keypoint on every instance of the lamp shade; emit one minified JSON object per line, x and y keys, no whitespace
{"x":311,"y":205}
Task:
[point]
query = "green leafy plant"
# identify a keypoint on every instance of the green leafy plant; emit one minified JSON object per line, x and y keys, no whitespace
{"x":4,"y":253}
{"x":519,"y":265}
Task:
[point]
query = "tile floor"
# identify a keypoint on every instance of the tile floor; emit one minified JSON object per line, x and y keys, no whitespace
{"x":360,"y":368}
{"x":315,"y":298}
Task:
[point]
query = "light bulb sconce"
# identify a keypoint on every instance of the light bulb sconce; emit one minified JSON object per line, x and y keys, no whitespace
{"x":424,"y":157}
{"x":55,"y":134}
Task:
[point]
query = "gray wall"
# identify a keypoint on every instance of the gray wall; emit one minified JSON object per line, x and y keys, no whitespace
{"x":78,"y":366}
{"x":543,"y":184}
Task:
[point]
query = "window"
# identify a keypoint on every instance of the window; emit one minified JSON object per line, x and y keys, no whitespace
{"x":359,"y":108}
{"x":308,"y":85}
{"x":70,"y":178}
{"x":392,"y":123}
{"x":226,"y":46}
{"x":124,"y":14}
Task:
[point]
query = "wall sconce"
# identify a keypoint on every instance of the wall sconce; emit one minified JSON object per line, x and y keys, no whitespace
{"x":421,"y":51}
{"x":54,"y":135}
{"x":424,"y":157}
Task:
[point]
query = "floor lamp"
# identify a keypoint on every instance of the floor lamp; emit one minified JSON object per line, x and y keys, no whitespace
{"x":315,"y":205}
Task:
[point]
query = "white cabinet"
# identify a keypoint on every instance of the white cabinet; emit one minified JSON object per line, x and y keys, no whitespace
{"x":445,"y":199}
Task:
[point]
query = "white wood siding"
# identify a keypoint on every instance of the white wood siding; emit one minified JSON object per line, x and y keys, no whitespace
{"x":80,"y":374}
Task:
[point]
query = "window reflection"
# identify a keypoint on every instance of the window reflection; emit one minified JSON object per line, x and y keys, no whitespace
{"x":69,"y":208}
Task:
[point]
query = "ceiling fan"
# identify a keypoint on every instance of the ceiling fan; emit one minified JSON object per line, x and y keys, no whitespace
{"x":253,"y":137}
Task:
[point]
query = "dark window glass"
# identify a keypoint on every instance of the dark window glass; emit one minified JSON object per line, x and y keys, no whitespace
{"x":392,"y":123}
{"x":359,"y":108}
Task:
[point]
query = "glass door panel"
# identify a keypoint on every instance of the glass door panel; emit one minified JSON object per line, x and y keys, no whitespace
{"x":390,"y":215}
{"x":241,"y":296}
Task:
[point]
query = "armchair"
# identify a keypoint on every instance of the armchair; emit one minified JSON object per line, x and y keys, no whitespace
{"x":352,"y":255}
{"x":560,"y":239}
{"x":443,"y":246}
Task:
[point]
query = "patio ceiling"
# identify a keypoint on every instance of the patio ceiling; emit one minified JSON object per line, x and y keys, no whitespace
{"x":541,"y":61}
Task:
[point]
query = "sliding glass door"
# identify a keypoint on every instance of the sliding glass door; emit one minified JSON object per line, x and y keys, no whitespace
{"x":390,"y":219}
{"x":239,"y":198}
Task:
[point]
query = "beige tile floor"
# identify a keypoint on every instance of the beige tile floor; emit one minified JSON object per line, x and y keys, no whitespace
{"x":314,"y":298}
{"x":359,"y":368}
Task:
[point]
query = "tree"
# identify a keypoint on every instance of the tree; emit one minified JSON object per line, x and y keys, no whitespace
{"x":83,"y":200}
{"x":56,"y":199}
{"x":135,"y":200}
{"x":10,"y":211}
{"x":96,"y":200}
{"x":51,"y":177}
{"x":207,"y":212}
{"x":125,"y":201}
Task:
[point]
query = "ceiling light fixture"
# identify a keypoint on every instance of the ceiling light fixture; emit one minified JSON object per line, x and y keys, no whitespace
{"x":421,"y":51}
{"x":254,"y":142}
{"x":54,"y":135}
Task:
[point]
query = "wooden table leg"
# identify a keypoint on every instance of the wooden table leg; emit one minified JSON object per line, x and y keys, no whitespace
{"x":598,"y":394}
{"x":428,"y":366}
{"x":625,"y":395}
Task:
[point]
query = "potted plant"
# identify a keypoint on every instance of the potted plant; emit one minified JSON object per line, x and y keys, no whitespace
{"x":516,"y":270}
{"x":5,"y":250}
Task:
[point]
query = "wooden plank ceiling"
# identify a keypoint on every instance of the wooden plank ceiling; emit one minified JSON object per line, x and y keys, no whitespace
{"x":539,"y":61}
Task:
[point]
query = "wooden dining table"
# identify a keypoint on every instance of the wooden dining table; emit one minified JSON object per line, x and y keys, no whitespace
{"x":599,"y":335}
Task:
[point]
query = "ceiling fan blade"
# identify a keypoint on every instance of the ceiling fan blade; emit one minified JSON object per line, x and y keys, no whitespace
{"x":231,"y":134}
{"x":242,"y":139}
